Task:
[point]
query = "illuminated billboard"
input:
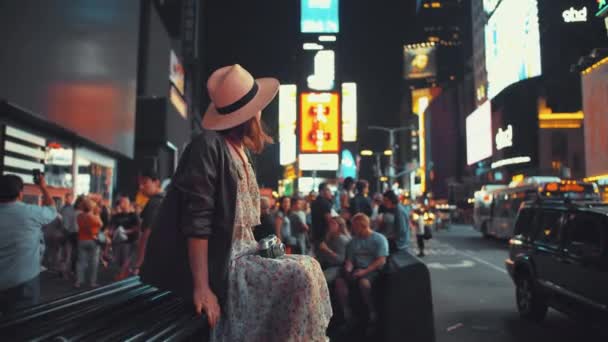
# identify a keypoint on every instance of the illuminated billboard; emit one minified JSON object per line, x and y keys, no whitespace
{"x":419,"y":61}
{"x":287,"y":123}
{"x":319,"y":123}
{"x":595,"y":102}
{"x":319,"y":162}
{"x":320,"y":16}
{"x":479,"y":134}
{"x":349,"y":112}
{"x":324,"y":71}
{"x":512,"y":44}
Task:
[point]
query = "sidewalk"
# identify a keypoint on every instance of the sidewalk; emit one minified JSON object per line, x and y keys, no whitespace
{"x":53,"y":286}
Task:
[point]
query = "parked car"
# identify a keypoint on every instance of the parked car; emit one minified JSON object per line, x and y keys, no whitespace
{"x":559,"y":258}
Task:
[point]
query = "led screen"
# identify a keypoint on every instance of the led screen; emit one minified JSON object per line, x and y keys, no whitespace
{"x":349,"y":112}
{"x":479,"y":134}
{"x":73,"y":63}
{"x":288,"y":109}
{"x":512,"y":44}
{"x":595,"y":102}
{"x":419,"y":61}
{"x":319,"y":123}
{"x":320,"y":16}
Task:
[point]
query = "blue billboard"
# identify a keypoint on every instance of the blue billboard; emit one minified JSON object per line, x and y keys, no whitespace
{"x":320,"y":16}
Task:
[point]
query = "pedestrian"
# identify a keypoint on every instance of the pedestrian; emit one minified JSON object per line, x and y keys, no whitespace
{"x":125,"y":228}
{"x":89,"y":243}
{"x":266,"y":226}
{"x":283,"y":227}
{"x":346,"y":193}
{"x":395,"y":226}
{"x":333,"y":251}
{"x":300,"y":229}
{"x":20,"y":234}
{"x":214,"y":201}
{"x":366,"y":255}
{"x":150,"y":187}
{"x":70,"y":225}
{"x":361,"y":203}
{"x":321,"y":214}
{"x":419,"y":224}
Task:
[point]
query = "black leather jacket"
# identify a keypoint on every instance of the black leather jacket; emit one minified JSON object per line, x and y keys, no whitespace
{"x":200,"y":203}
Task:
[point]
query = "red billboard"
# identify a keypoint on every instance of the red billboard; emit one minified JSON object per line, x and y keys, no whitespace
{"x":319,"y":123}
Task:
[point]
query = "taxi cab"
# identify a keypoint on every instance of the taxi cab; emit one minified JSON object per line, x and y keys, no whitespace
{"x":558,"y":256}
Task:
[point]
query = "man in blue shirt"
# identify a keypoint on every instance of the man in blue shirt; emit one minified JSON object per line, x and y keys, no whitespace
{"x":365,"y":256}
{"x":20,"y":233}
{"x":399,"y":238}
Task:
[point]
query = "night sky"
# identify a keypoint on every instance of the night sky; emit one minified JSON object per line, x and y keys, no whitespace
{"x":264,"y":37}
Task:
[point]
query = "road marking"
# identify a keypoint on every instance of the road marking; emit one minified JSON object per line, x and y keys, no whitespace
{"x":440,"y":266}
{"x":480,"y":260}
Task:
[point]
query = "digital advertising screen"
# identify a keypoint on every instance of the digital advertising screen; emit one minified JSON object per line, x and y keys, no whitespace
{"x":595,"y":107}
{"x":320,"y":16}
{"x":74,"y":63}
{"x":319,"y":123}
{"x":512,"y":44}
{"x":349,"y":112}
{"x":419,"y":61}
{"x":288,"y":109}
{"x":479,"y":134}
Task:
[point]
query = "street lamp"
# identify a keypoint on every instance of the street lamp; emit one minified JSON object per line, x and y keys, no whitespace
{"x":391,"y":151}
{"x":379,"y":176}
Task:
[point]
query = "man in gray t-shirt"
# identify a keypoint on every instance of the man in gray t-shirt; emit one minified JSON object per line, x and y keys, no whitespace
{"x":365,"y":256}
{"x":20,"y":233}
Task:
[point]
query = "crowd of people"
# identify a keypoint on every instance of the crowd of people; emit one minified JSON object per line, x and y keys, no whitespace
{"x":72,"y":239}
{"x":350,"y":233}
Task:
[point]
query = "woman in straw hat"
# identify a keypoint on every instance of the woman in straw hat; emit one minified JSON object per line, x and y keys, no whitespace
{"x":215,"y":199}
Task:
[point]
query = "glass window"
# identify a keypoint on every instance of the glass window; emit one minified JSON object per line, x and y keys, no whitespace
{"x":549,"y":229}
{"x":58,"y":166}
{"x":525,"y":221}
{"x":585,"y":236}
{"x":95,"y":174}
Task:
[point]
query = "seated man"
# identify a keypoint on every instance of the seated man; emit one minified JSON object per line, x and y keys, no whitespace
{"x":395,"y":224}
{"x":365,"y":256}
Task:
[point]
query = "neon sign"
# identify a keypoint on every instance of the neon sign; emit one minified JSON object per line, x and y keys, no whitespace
{"x":504,"y":138}
{"x":573,"y":15}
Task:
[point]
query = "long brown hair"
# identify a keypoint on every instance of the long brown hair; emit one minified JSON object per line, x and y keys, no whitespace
{"x":252,"y":133}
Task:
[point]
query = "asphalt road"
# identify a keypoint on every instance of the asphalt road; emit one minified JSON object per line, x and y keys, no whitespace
{"x":473,"y":295}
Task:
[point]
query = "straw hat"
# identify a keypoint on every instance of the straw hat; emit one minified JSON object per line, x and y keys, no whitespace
{"x":236,"y":97}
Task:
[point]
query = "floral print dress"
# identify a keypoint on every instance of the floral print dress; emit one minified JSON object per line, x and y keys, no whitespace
{"x":284,"y":299}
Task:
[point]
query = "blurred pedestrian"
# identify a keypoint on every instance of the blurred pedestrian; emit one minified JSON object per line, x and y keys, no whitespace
{"x":297,"y":217}
{"x":361,"y":203}
{"x":365,"y":256}
{"x":321,"y":211}
{"x":283,"y":226}
{"x":89,"y":240}
{"x":332,"y":252}
{"x":346,"y":193}
{"x":20,"y":234}
{"x":151,"y":189}
{"x":125,"y":227}
{"x":266,"y":226}
{"x":70,"y":225}
{"x":396,"y":220}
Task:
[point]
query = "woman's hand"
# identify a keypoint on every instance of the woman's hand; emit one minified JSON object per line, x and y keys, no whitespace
{"x":206,"y":301}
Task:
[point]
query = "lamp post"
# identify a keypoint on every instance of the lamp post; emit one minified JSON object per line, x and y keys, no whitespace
{"x":391,"y":141}
{"x":379,"y":176}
